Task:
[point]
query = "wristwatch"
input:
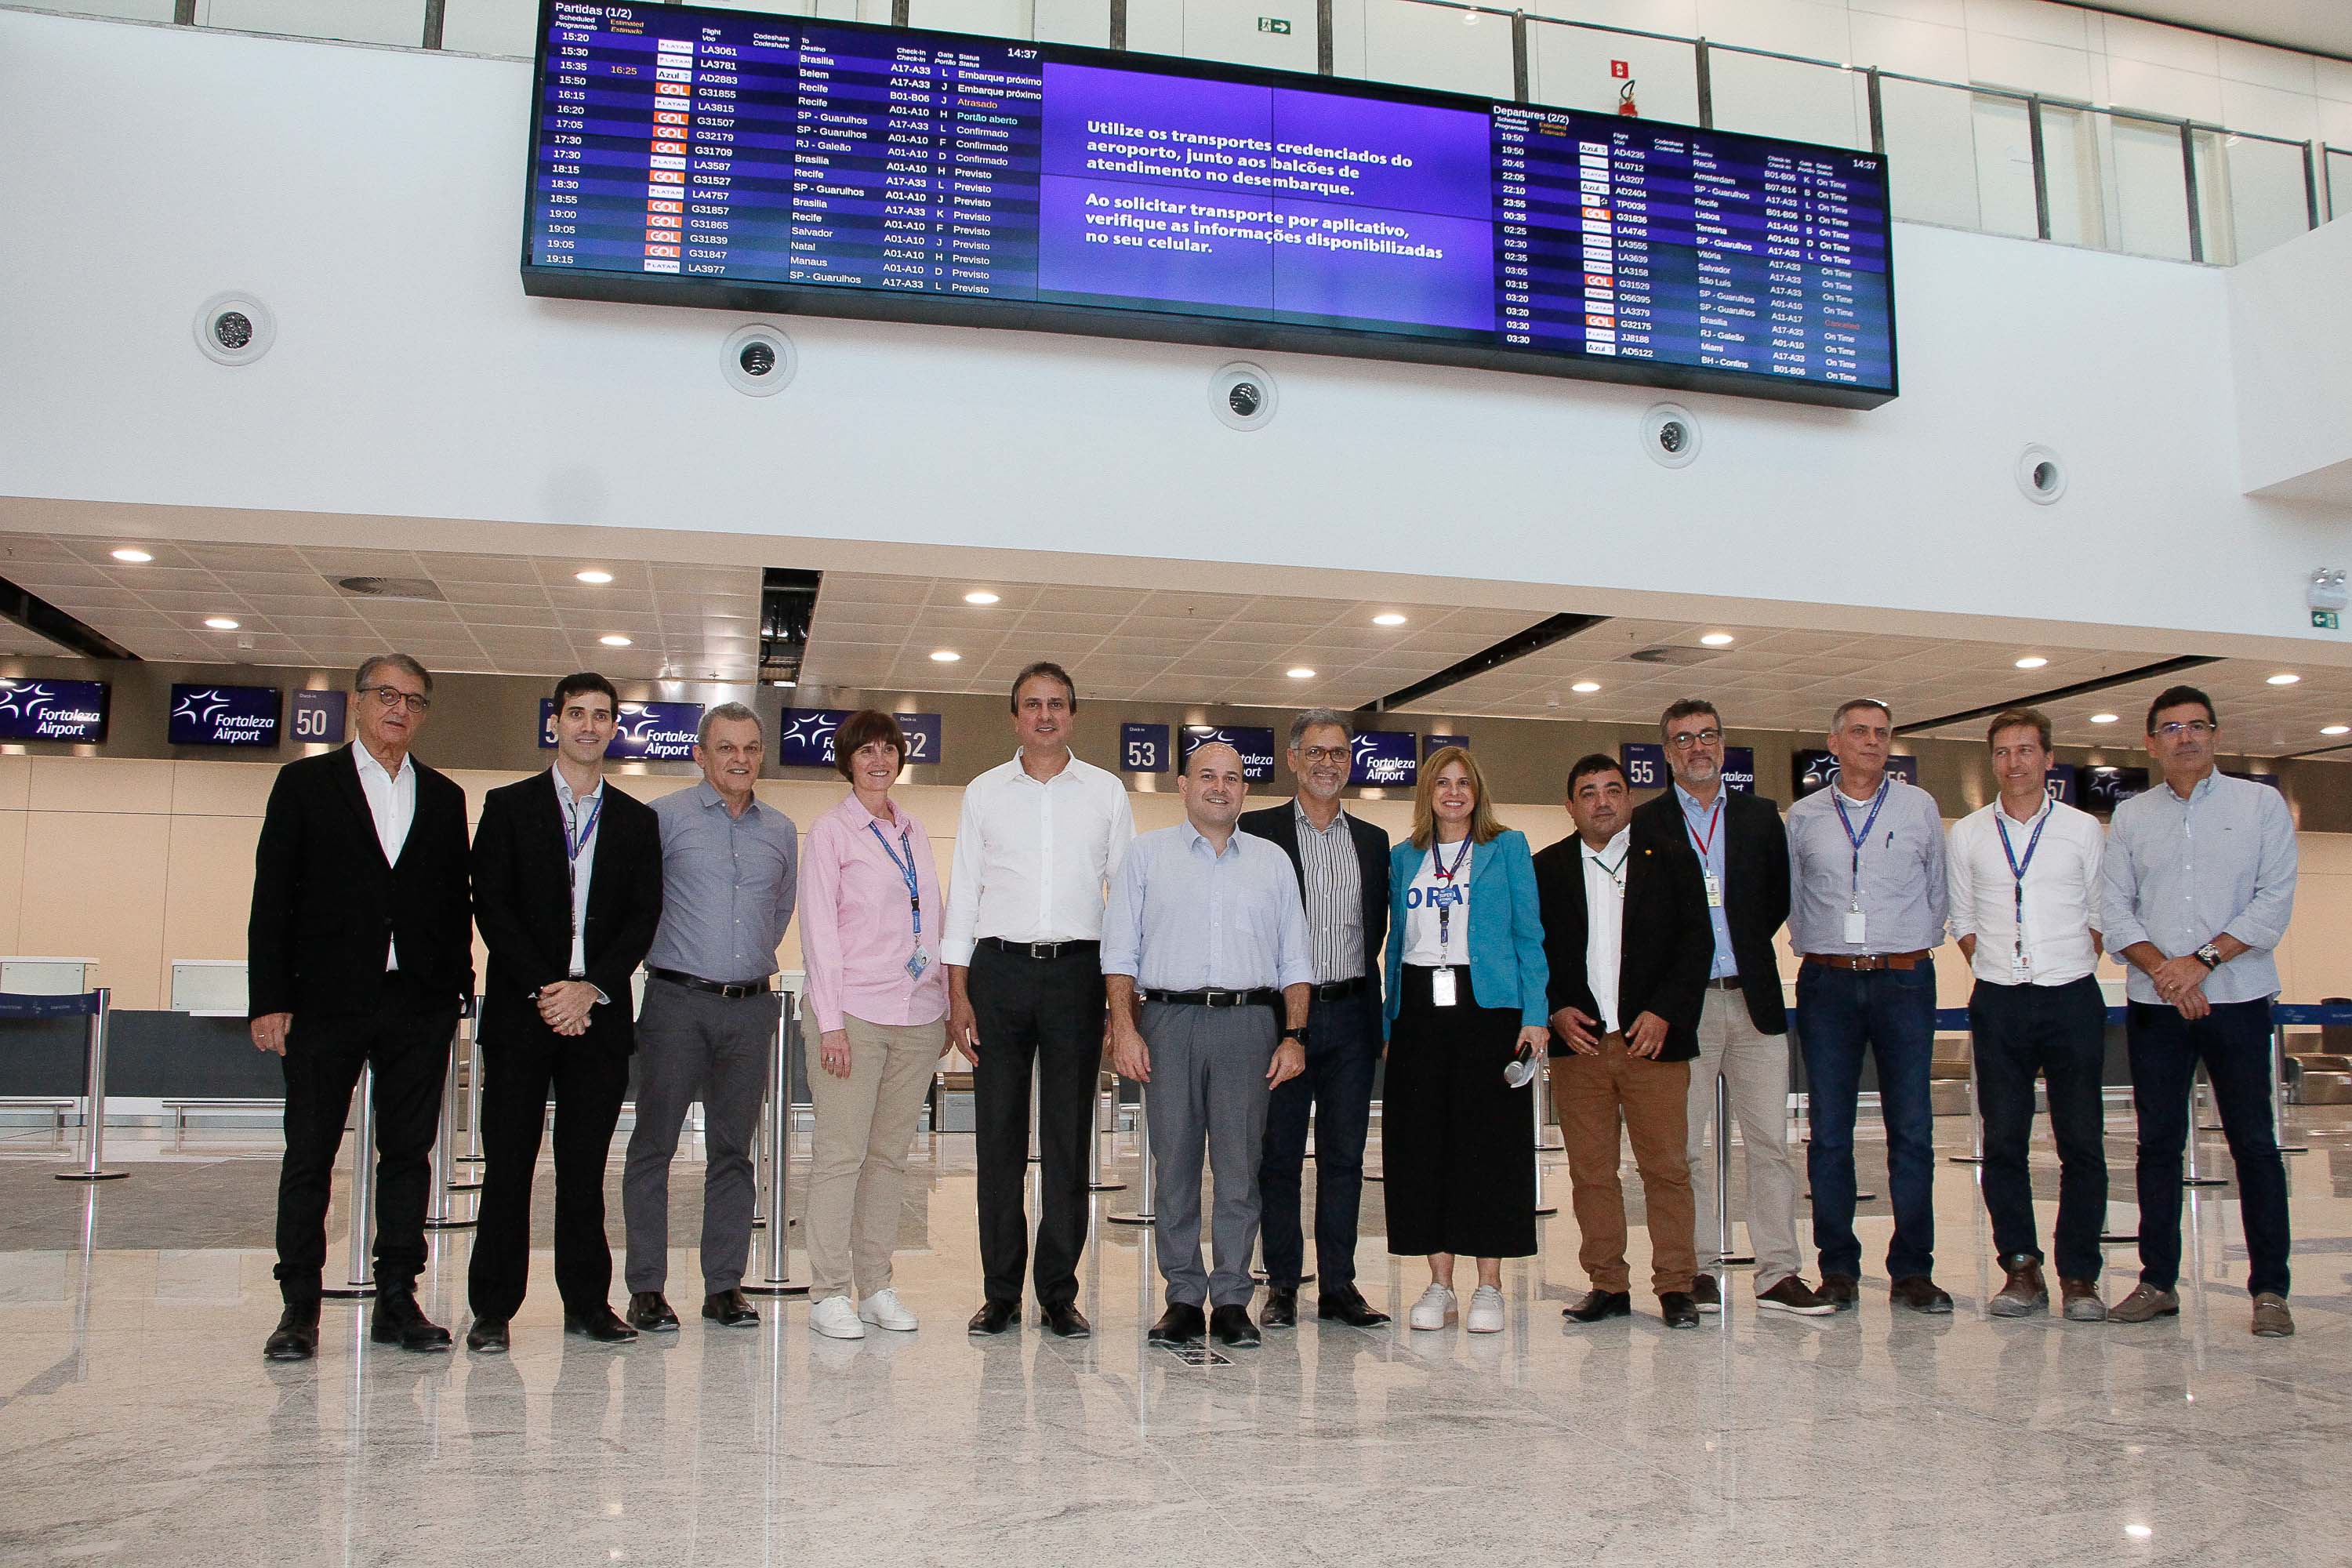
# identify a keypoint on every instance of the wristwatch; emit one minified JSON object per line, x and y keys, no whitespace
{"x":1298,"y":1035}
{"x":2210,"y":956}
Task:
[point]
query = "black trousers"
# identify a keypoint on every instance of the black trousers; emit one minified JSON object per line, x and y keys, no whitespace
{"x":2061,"y":1033}
{"x":1047,"y":1012}
{"x":1459,"y":1147}
{"x":406,"y":1040}
{"x":2233,"y":1041}
{"x":1343,"y":1048}
{"x":588,"y":1078}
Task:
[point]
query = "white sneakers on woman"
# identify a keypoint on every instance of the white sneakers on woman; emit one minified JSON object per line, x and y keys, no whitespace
{"x":835,"y":1318}
{"x":882,"y":1310}
{"x":1485,"y":1310}
{"x":1436,"y":1309}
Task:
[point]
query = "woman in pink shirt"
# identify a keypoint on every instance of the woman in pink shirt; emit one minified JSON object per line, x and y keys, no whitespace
{"x":870,"y":913}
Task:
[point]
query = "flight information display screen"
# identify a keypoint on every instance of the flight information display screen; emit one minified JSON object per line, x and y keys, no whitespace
{"x":692,"y":156}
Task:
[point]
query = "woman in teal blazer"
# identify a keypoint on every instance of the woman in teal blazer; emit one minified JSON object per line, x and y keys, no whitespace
{"x":1467,"y":995}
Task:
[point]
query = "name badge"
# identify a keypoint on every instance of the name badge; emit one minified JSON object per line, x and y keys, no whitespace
{"x":917,"y":964}
{"x":1714,"y":890}
{"x":1853,"y":926}
{"x":1440,"y":987}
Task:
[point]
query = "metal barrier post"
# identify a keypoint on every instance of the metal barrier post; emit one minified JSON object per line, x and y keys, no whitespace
{"x":2278,"y":1094}
{"x":776,"y":1150}
{"x":473,"y":1154}
{"x":1037,"y":1073}
{"x":1096,"y":1180}
{"x":1976,"y":1115}
{"x":362,"y":1203}
{"x":1148,"y":1177}
{"x":439,"y":1214}
{"x":93,"y":1114}
{"x":2192,"y":1177}
{"x":1541,"y":1084}
{"x":1725,"y":1257}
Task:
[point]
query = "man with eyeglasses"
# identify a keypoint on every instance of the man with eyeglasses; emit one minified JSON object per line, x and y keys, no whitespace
{"x":2199,"y":882}
{"x":1743,"y":865}
{"x":359,"y":953}
{"x":1342,"y":865}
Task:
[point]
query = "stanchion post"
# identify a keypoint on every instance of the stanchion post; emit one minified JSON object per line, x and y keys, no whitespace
{"x":1724,"y":1255}
{"x":1541,"y":1086}
{"x":775,"y":1152}
{"x":2193,"y":1177}
{"x":1036,"y":1072}
{"x":1975,"y":1156}
{"x":363,"y":1271}
{"x":1147,"y":1178}
{"x":93,"y":1103}
{"x":2278,"y":1093}
{"x":439,"y":1214}
{"x":1097,"y":1181}
{"x":473,"y":1154}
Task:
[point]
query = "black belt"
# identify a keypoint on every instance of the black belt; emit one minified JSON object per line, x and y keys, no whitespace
{"x":1262,"y":998}
{"x":715,"y":987}
{"x":1332,"y":990}
{"x":1723,"y":983}
{"x":1041,"y":950}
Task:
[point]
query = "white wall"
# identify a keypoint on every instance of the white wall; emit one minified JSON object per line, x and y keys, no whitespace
{"x":2291,"y":322}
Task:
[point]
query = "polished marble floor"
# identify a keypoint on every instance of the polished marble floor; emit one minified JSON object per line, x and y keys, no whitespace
{"x":140,"y":1425}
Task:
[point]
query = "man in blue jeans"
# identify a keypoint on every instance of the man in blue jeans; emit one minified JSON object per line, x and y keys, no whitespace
{"x":2200,"y":882}
{"x":1866,"y":883}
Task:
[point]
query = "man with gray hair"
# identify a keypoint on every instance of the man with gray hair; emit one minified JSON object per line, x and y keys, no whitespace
{"x":729,"y":871}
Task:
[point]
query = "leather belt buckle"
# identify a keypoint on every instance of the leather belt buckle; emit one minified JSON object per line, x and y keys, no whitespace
{"x":1221,"y":999}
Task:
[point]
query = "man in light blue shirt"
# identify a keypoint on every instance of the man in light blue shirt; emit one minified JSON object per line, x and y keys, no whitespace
{"x":1204,"y":935}
{"x":2199,"y":881}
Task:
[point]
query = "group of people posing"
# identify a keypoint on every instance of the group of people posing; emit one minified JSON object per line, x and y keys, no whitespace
{"x":1252,"y":972}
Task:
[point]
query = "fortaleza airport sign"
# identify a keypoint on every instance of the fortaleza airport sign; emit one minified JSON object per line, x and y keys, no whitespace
{"x":242,"y":716}
{"x":644,"y":732}
{"x":53,"y":709}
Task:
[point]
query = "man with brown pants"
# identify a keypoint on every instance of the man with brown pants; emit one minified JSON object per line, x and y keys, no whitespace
{"x":1626,"y":934}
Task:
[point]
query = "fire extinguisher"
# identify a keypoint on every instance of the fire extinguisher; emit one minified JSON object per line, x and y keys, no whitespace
{"x":1625,"y":104}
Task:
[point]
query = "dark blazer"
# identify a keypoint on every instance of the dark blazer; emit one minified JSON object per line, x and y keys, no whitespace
{"x":1755,"y":888}
{"x":1668,"y":944}
{"x":522,"y":901}
{"x":326,"y":906}
{"x":1279,"y":825}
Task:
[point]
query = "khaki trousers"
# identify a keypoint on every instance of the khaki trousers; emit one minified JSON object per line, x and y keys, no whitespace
{"x":1756,"y":1067}
{"x":865,"y":1124}
{"x":1594,"y":1097}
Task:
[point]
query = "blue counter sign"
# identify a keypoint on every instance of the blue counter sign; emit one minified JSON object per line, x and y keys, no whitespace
{"x":53,"y":710}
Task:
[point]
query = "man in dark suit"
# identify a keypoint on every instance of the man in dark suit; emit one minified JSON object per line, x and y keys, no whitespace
{"x":1626,"y":936}
{"x":568,"y":890}
{"x":360,"y":953}
{"x":1343,"y":874}
{"x":1742,"y":854}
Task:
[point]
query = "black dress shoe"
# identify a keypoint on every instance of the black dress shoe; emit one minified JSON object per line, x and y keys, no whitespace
{"x":1920,"y":1294}
{"x":599,"y":1322}
{"x":486,"y":1336}
{"x":1600,"y":1304}
{"x":994,"y":1318}
{"x":1679,"y":1310}
{"x":650,"y":1311}
{"x":1064,"y":1318}
{"x":399,"y":1321}
{"x":1349,"y":1307}
{"x":1281,"y":1309}
{"x":728,"y":1309}
{"x":1232,"y":1326}
{"x":1181,"y":1324}
{"x":296,"y":1337}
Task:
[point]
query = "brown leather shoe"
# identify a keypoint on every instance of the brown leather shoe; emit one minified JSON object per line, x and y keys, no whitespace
{"x":1705,"y":1294}
{"x":2080,"y":1301}
{"x":1842,"y":1291}
{"x":2271,"y":1319}
{"x":2025,"y":1294}
{"x":1792,"y":1295}
{"x":1922,"y":1294}
{"x":2144,"y":1302}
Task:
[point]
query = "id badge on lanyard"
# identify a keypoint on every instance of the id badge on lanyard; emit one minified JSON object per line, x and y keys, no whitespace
{"x":1443,"y":991}
{"x":918,"y":960}
{"x":1854,"y":925}
{"x":1705,"y":845}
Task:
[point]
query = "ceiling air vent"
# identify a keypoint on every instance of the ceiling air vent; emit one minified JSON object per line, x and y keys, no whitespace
{"x":1674,"y":656}
{"x":393,"y":589}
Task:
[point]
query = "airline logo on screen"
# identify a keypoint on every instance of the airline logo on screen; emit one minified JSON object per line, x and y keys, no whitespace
{"x":53,"y":709}
{"x":1812,"y":771}
{"x":1256,"y":745}
{"x":1385,"y":757}
{"x":245,"y":716}
{"x":645,"y":732}
{"x":805,"y":739}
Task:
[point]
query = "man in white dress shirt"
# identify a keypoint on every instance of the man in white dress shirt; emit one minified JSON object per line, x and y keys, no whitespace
{"x":2024,"y":878}
{"x":1039,"y":839}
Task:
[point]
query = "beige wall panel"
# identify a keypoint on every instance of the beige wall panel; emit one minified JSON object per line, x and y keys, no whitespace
{"x":16,"y":782}
{"x":94,"y":885}
{"x":221,"y":789}
{"x":12,"y":828}
{"x":101,"y":783}
{"x":208,"y":890}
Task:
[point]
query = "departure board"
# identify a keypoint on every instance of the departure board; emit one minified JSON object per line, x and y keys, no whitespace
{"x":723,"y":158}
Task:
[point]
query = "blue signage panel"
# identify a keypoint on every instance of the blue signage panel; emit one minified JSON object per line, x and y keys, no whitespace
{"x":1645,"y":762}
{"x":1256,"y":746}
{"x":53,"y":709}
{"x":645,"y":731}
{"x":2061,"y":785}
{"x":923,"y":741}
{"x":1812,"y":771}
{"x":1143,"y":748}
{"x":2104,"y":789}
{"x":241,"y":716}
{"x":804,"y":738}
{"x":317,"y":717}
{"x":1433,"y":744}
{"x":1739,"y":769}
{"x":1384,"y":757}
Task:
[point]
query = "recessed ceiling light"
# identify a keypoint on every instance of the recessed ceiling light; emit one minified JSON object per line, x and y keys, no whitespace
{"x":614,"y":640}
{"x":2031,"y":661}
{"x":945,"y":656}
{"x":593,"y":578}
{"x":1717,"y":640}
{"x":133,"y":557}
{"x":1301,"y":673}
{"x":2335,"y":729}
{"x":1586,"y":686}
{"x":2138,"y":1531}
{"x":220,"y":623}
{"x":784,"y":685}
{"x":980,"y":596}
{"x":2284,"y":679}
{"x":2104,"y":718}
{"x":1390,"y":618}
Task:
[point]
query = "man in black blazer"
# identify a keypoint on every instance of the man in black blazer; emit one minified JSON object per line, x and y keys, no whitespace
{"x":1626,"y":935}
{"x":1742,"y":855}
{"x":360,"y":951}
{"x":1343,"y":874}
{"x":568,"y":890}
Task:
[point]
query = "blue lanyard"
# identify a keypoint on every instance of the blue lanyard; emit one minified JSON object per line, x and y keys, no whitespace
{"x":1837,"y":799}
{"x":2017,"y":869}
{"x":906,"y":871}
{"x":1445,"y":874}
{"x":573,"y":847}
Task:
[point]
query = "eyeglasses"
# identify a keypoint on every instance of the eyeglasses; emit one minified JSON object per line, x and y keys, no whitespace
{"x":1685,"y":742}
{"x":2178,"y":728}
{"x":393,"y":696}
{"x":1314,"y":754}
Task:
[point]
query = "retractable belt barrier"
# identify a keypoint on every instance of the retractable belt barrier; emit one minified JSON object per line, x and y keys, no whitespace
{"x":90,"y":1005}
{"x":775,"y":1152}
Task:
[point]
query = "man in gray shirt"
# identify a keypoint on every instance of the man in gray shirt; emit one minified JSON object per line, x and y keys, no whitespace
{"x":1866,"y":915}
{"x":2199,"y":881}
{"x":729,"y":870}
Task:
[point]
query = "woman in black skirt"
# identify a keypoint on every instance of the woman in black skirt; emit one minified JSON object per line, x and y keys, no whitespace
{"x":1466,"y":982}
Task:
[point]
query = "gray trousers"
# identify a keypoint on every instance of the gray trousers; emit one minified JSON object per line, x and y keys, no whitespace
{"x":1208,"y":1087}
{"x":692,"y":1045}
{"x":1756,"y":1067}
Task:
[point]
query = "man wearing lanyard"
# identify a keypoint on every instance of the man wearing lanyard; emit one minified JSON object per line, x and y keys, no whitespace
{"x":1038,"y":840}
{"x":567,"y":891}
{"x":2024,"y":900}
{"x":1205,"y":928}
{"x":1866,"y":875}
{"x":2199,"y":881}
{"x":1743,"y":855}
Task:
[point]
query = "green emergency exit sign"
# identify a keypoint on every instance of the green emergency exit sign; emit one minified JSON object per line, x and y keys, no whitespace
{"x":2323,"y":620}
{"x":1274,"y":24}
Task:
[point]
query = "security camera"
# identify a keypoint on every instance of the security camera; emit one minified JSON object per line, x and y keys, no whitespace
{"x":234,"y":329}
{"x":1671,"y":434}
{"x":1242,"y":395}
{"x":2041,"y":475}
{"x":760,"y":360}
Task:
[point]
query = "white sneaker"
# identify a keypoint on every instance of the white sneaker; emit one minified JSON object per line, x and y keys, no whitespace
{"x":1434,"y":1310}
{"x":882,"y":1309}
{"x":835,"y":1318}
{"x":1485,"y":1310}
